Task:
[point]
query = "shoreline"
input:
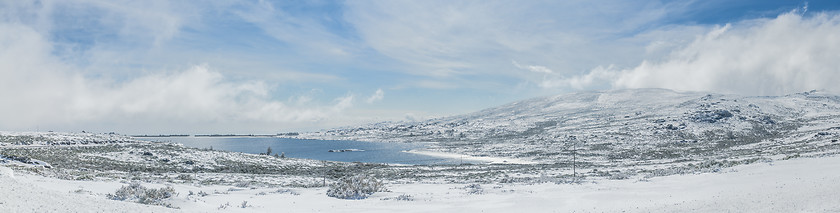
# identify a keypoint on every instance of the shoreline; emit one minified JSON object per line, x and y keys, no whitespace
{"x":487,"y":160}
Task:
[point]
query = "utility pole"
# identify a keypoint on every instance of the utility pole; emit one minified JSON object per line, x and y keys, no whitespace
{"x":574,"y":142}
{"x":574,"y":160}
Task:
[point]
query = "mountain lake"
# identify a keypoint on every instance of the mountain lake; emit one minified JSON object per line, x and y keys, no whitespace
{"x":330,"y":150}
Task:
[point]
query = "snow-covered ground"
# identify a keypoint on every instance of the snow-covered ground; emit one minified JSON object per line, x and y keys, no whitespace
{"x":797,"y":185}
{"x":491,"y":160}
{"x":626,"y":128}
{"x":637,"y":150}
{"x":27,"y":193}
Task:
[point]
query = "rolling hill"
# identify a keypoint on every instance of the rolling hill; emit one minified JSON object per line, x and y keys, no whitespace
{"x":633,"y":127}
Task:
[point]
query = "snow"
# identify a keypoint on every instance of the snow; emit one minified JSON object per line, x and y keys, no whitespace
{"x":773,"y":154}
{"x":798,"y":185}
{"x":60,"y":138}
{"x":26,"y":193}
{"x":626,"y":129}
{"x":490,"y":160}
{"x":6,"y":172}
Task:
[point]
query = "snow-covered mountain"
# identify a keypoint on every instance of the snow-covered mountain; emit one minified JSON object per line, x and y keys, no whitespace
{"x":634,"y":126}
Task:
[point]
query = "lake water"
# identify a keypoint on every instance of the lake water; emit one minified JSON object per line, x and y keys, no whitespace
{"x":367,"y":152}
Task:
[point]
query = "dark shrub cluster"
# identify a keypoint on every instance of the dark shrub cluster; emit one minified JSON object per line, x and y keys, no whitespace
{"x":140,"y":194}
{"x":355,"y":187}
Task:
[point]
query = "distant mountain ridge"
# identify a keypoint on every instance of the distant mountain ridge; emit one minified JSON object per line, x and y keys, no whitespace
{"x":637,"y":125}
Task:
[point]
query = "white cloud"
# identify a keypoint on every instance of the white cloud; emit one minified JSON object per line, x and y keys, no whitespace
{"x":411,"y":117}
{"x":550,"y":80}
{"x":533,"y":68}
{"x":149,"y":22}
{"x":377,"y":96}
{"x":306,"y":32}
{"x":130,"y":63}
{"x":445,"y":39}
{"x":786,"y":54}
{"x":39,"y":89}
{"x":594,"y":79}
{"x":155,"y":20}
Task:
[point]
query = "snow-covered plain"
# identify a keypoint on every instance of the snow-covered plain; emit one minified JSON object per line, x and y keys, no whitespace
{"x":797,"y":185}
{"x":646,"y":150}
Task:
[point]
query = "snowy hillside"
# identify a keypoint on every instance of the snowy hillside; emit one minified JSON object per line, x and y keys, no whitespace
{"x":632,"y":148}
{"x":629,"y":127}
{"x":63,"y":138}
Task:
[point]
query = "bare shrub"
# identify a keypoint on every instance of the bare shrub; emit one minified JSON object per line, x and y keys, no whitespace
{"x":140,"y":194}
{"x":355,"y":187}
{"x":474,"y":189}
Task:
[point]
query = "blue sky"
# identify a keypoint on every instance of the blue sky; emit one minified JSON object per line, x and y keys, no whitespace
{"x":243,"y":66}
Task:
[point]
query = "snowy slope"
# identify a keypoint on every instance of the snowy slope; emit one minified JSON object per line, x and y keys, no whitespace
{"x":629,"y":127}
{"x":22,"y":195}
{"x":799,"y":185}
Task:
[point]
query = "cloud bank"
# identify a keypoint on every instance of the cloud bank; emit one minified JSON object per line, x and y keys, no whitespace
{"x":786,"y":54}
{"x":38,"y":89}
{"x":249,"y":66}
